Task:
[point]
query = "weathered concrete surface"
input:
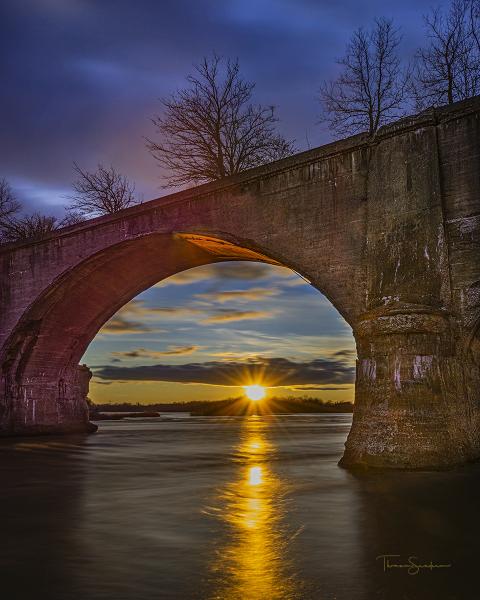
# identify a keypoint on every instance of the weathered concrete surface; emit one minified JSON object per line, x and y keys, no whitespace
{"x":388,"y":229}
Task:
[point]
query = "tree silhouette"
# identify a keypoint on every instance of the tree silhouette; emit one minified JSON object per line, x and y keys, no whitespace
{"x":29,"y":227}
{"x":9,"y":206}
{"x":447,"y":69}
{"x":102,"y":192}
{"x":371,"y":89}
{"x":211,"y":130}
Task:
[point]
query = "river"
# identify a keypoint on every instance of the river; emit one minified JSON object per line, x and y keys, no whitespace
{"x":228,"y":508}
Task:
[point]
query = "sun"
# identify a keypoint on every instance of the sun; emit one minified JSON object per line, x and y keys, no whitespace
{"x":254,"y":392}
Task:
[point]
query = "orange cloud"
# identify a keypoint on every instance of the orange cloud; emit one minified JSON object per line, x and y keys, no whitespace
{"x":238,"y":295}
{"x":144,"y":353}
{"x":241,"y":271}
{"x":118,"y":325}
{"x":229,"y":316}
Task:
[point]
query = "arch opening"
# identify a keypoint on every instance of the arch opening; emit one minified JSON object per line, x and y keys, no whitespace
{"x":224,"y":330}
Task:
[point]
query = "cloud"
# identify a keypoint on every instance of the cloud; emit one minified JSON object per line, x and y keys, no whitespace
{"x":324,"y":388}
{"x":118,"y":325}
{"x":145,"y":53}
{"x":187,"y":277}
{"x":133,"y":318}
{"x":251,"y":295}
{"x":144,"y":353}
{"x":248,"y":271}
{"x":239,"y":271}
{"x":225,"y":316}
{"x":238,"y":355}
{"x":270,"y":371}
{"x":137,"y":308}
{"x":346,"y":354}
{"x":173,"y":311}
{"x":296,"y":280}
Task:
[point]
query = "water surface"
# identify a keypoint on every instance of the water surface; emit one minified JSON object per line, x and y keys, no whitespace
{"x":227,"y":508}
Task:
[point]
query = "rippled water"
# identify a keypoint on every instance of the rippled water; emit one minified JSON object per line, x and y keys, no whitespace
{"x":227,"y":508}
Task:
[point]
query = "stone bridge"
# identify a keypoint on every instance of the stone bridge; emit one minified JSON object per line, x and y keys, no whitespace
{"x":387,"y":228}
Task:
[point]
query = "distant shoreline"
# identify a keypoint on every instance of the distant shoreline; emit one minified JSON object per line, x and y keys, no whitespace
{"x":229,"y":407}
{"x":117,"y":416}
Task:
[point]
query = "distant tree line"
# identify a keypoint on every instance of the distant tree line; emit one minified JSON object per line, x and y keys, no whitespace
{"x":212,"y":128}
{"x":230,"y":406}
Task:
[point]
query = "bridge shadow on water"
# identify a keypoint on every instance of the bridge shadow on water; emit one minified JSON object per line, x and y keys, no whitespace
{"x":227,"y":508}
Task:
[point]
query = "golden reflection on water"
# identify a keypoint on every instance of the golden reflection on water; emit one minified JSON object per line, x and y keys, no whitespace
{"x":253,"y":565}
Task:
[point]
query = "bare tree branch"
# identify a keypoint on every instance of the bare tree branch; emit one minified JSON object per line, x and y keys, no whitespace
{"x":14,"y":228}
{"x":210,"y":130}
{"x":371,"y":89}
{"x":72,"y":217}
{"x":447,"y":69}
{"x":9,"y":206}
{"x":473,"y":15}
{"x":103,"y":192}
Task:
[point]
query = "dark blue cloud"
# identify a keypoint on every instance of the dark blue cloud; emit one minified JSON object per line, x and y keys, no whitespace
{"x":271,"y":371}
{"x":81,"y":78}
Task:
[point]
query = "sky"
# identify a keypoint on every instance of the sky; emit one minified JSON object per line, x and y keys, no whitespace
{"x":205,"y":333}
{"x":81,"y":80}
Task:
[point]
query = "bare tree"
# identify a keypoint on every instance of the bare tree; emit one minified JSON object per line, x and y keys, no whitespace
{"x":211,"y":130}
{"x":34,"y":226}
{"x":9,"y":207}
{"x":8,"y":204}
{"x":371,"y":89}
{"x":473,"y":14}
{"x":72,"y":217}
{"x":102,"y":192}
{"x":15,"y":228}
{"x":29,"y":227}
{"x":447,"y":69}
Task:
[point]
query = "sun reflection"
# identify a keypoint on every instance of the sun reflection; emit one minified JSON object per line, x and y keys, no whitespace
{"x":255,"y":445}
{"x":255,"y":476}
{"x":254,"y":563}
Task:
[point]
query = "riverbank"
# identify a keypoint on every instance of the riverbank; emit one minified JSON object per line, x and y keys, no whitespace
{"x":117,"y":416}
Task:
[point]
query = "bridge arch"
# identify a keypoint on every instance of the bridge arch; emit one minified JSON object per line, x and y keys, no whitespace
{"x":386,"y":228}
{"x":40,"y":358}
